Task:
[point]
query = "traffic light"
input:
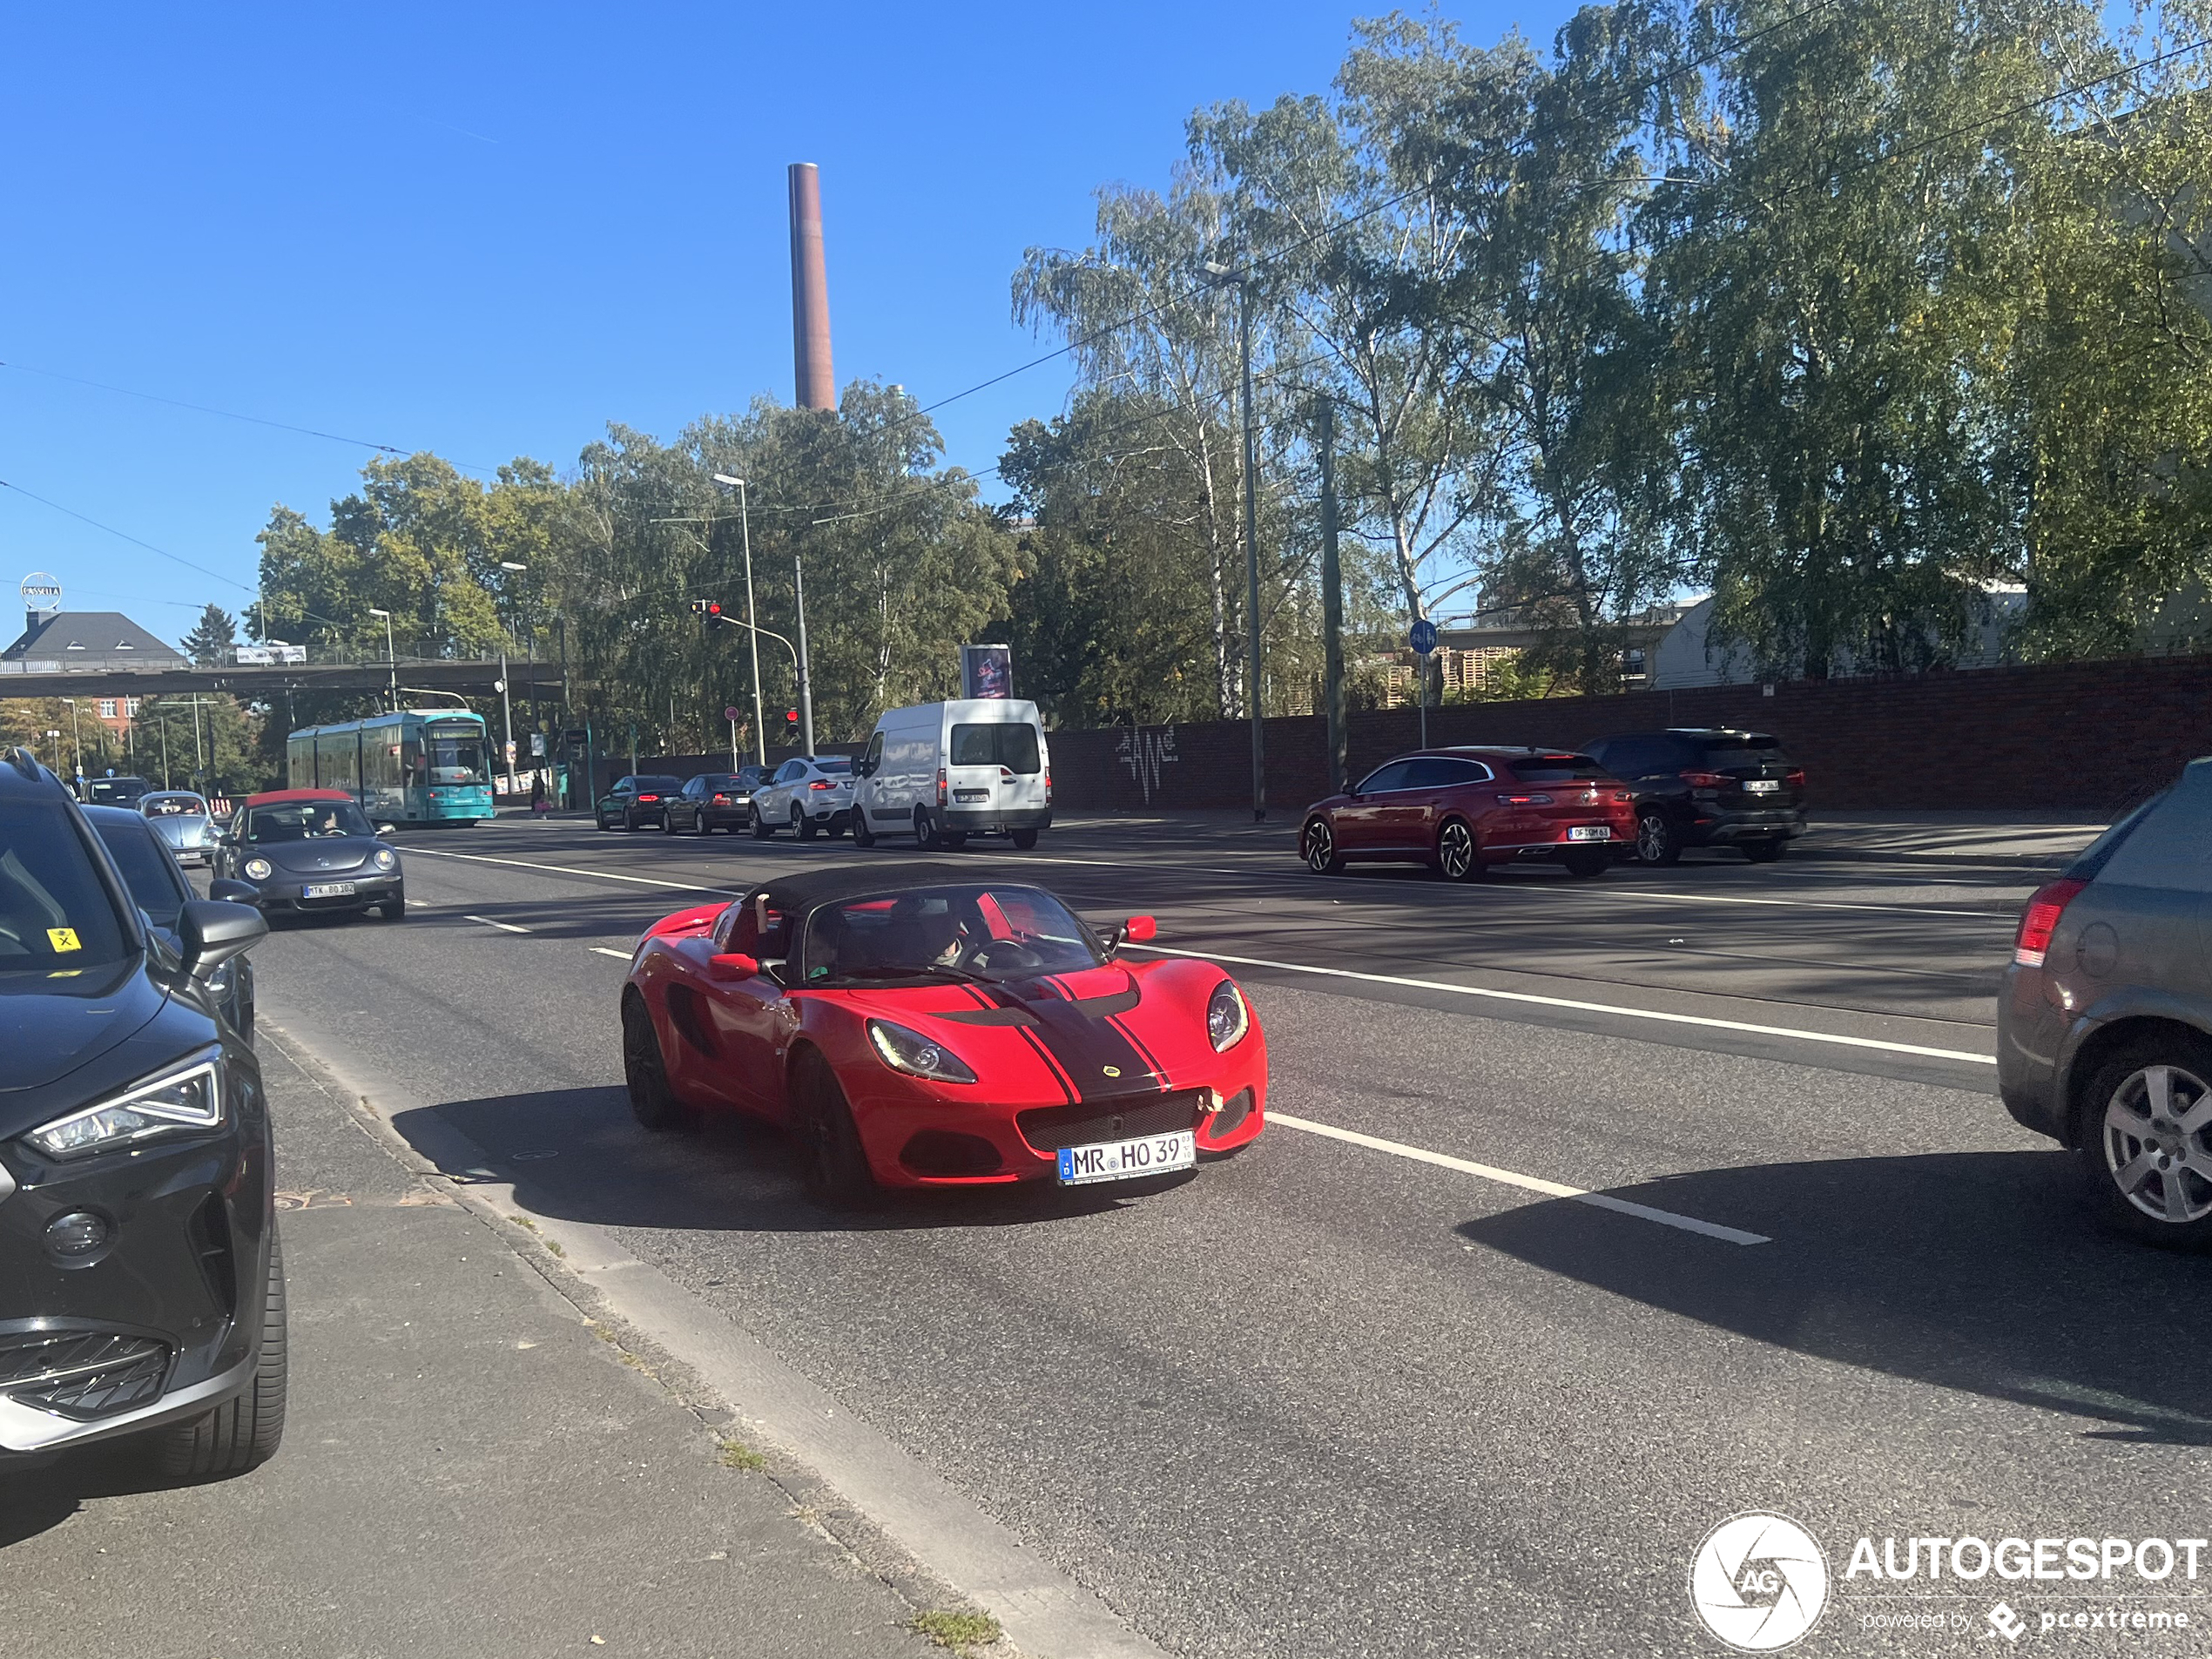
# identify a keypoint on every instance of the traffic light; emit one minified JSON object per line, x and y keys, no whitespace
{"x":707,"y":610}
{"x":791,"y":721}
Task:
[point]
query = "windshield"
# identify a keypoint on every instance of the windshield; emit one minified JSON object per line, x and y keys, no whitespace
{"x":153,"y":880}
{"x":56,"y":915}
{"x":1006,"y":743}
{"x":983,"y":932}
{"x":173,"y":807}
{"x":300,"y":820}
{"x":1728,"y":757}
{"x":658,"y":786}
{"x":455,"y":757}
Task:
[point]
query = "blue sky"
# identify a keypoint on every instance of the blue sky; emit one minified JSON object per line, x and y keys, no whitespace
{"x":488,"y":231}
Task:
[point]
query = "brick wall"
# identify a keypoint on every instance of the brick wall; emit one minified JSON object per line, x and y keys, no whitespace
{"x":2071,"y":737}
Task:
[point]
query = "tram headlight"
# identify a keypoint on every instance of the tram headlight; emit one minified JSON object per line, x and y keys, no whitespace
{"x":257,"y":869}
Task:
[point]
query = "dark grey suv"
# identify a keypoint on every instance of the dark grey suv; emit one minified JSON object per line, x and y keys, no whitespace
{"x":2104,"y":1024}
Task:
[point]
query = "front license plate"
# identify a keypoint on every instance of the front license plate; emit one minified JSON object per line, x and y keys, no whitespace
{"x":1761,"y":786}
{"x":1590,"y":833}
{"x":327,"y":890}
{"x":1121,"y":1160}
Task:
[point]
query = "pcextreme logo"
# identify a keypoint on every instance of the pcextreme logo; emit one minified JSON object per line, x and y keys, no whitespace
{"x":1758,"y":1581}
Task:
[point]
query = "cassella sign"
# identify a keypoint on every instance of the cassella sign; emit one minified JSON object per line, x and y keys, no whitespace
{"x":41,"y":592}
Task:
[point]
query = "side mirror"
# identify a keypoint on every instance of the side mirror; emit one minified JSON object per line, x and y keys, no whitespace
{"x":387,"y":830}
{"x":212,"y":932}
{"x":734,"y":965}
{"x":1135,"y":930}
{"x":228,"y":892}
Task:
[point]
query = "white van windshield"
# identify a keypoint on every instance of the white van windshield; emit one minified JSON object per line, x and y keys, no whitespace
{"x":1010,"y":744}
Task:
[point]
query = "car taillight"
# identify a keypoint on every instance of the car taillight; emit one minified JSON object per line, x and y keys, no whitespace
{"x":2040,"y":919}
{"x":721,"y":800}
{"x":1048,"y":786}
{"x":1624,"y":794}
{"x":641,"y":799}
{"x":942,"y":795}
{"x":1795,"y":779}
{"x":821,"y":783}
{"x":1701,"y":780}
{"x":1524,"y":800}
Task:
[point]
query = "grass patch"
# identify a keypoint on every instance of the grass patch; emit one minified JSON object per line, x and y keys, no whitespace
{"x":523,"y":1220}
{"x":554,"y":1245}
{"x":736,"y":1454}
{"x":958,"y":1631}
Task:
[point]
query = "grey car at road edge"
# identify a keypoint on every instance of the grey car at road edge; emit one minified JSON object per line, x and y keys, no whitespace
{"x":2104,"y":1020}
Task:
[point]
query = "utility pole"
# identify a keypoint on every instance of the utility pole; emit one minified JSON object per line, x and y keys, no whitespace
{"x":165,"y":749}
{"x":1331,"y":602}
{"x":805,"y":680}
{"x":1224,"y":273}
{"x":752,"y":621}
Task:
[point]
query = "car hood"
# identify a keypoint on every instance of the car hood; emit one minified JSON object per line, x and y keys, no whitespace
{"x":64,"y":1025}
{"x":318,"y":856}
{"x":179,"y":831}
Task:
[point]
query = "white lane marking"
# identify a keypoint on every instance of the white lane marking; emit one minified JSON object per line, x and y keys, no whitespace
{"x":1484,"y":894}
{"x":619,"y":955}
{"x":1706,"y":1021}
{"x":504,"y":927}
{"x":1527,"y":1183}
{"x":563,"y":869}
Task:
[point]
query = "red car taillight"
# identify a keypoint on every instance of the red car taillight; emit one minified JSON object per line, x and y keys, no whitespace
{"x":942,"y":795}
{"x":1624,"y":794}
{"x":819,"y":783}
{"x":1524,"y":800}
{"x":2040,"y":919}
{"x":1048,"y":786}
{"x":642,"y":799}
{"x":721,"y":800}
{"x":1796,"y":780}
{"x":1701,"y":780}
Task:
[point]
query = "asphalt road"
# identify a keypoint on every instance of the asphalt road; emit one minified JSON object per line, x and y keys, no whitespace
{"x":1337,"y":1397}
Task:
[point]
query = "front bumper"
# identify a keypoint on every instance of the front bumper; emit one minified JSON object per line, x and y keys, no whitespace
{"x":161,"y":1323}
{"x":988,"y":820}
{"x":285,"y":898}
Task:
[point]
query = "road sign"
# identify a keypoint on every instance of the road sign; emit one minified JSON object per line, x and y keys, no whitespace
{"x":732,"y":713}
{"x":1422,"y":636}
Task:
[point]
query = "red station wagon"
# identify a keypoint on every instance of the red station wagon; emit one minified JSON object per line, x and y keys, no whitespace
{"x":1460,"y":809}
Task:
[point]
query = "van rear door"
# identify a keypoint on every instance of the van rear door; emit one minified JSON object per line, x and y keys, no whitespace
{"x":994,"y":765}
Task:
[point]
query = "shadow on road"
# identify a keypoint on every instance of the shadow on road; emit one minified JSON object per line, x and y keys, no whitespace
{"x":578,"y":1155}
{"x":1974,"y":1270}
{"x":39,"y":1498}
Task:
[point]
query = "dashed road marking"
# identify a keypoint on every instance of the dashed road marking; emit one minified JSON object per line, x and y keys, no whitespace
{"x":504,"y":927}
{"x":619,"y":955}
{"x":1526,"y":1182}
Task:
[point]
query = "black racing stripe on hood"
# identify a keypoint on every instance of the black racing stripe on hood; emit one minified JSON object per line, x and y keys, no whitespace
{"x":1085,"y":1047}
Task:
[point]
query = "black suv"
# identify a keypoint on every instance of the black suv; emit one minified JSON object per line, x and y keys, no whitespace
{"x":641,"y":799}
{"x":1707,"y":786}
{"x":141,"y":1287}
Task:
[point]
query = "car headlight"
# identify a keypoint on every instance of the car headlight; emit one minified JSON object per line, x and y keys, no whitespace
{"x":182,"y":1100}
{"x":387,"y":859}
{"x":917,"y":1055}
{"x":257,"y":869}
{"x":1226,"y":1018}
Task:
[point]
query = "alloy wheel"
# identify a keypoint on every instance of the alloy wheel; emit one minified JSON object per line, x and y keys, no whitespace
{"x":1320,"y":847}
{"x":1455,"y":851}
{"x":1652,"y":839}
{"x":2157,"y":1136}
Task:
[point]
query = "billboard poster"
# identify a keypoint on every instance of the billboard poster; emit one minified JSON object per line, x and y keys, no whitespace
{"x":987,"y":670}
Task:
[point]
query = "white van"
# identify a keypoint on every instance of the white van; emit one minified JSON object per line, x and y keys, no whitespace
{"x":943,"y":772}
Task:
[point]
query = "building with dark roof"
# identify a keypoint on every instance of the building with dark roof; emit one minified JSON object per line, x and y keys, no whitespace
{"x":65,"y":642}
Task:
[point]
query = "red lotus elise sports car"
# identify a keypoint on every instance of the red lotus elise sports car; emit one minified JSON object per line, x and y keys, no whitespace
{"x":914,"y":1025}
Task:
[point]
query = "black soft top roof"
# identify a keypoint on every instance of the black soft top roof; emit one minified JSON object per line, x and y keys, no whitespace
{"x":807,"y":891}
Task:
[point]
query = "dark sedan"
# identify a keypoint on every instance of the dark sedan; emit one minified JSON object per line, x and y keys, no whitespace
{"x":141,"y":1285}
{"x":713,"y":800}
{"x":642,"y":797}
{"x":150,"y":870}
{"x":308,"y":852}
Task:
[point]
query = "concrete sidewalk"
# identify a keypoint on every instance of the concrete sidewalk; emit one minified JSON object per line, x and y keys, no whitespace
{"x":470,"y":1466}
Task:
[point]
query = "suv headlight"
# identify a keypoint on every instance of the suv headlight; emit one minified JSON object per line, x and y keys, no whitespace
{"x":1226,"y":1018}
{"x":185,"y":1099}
{"x":917,"y":1055}
{"x":257,"y":869}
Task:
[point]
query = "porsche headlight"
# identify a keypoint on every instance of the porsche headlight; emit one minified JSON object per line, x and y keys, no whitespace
{"x":917,"y":1055}
{"x":186,"y":1098}
{"x":387,"y":859}
{"x":257,"y":869}
{"x":1226,"y":1018}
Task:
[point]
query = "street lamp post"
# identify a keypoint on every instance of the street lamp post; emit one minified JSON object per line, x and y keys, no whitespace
{"x":752,"y":621}
{"x":506,"y":703}
{"x":391,"y":658}
{"x":54,"y":736}
{"x":76,"y":742}
{"x":1241,"y":280}
{"x":805,"y":681}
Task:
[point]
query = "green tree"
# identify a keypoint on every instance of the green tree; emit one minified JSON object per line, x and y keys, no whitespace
{"x":213,"y":637}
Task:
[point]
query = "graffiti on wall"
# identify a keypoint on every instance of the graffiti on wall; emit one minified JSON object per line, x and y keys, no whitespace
{"x":1145,"y":751}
